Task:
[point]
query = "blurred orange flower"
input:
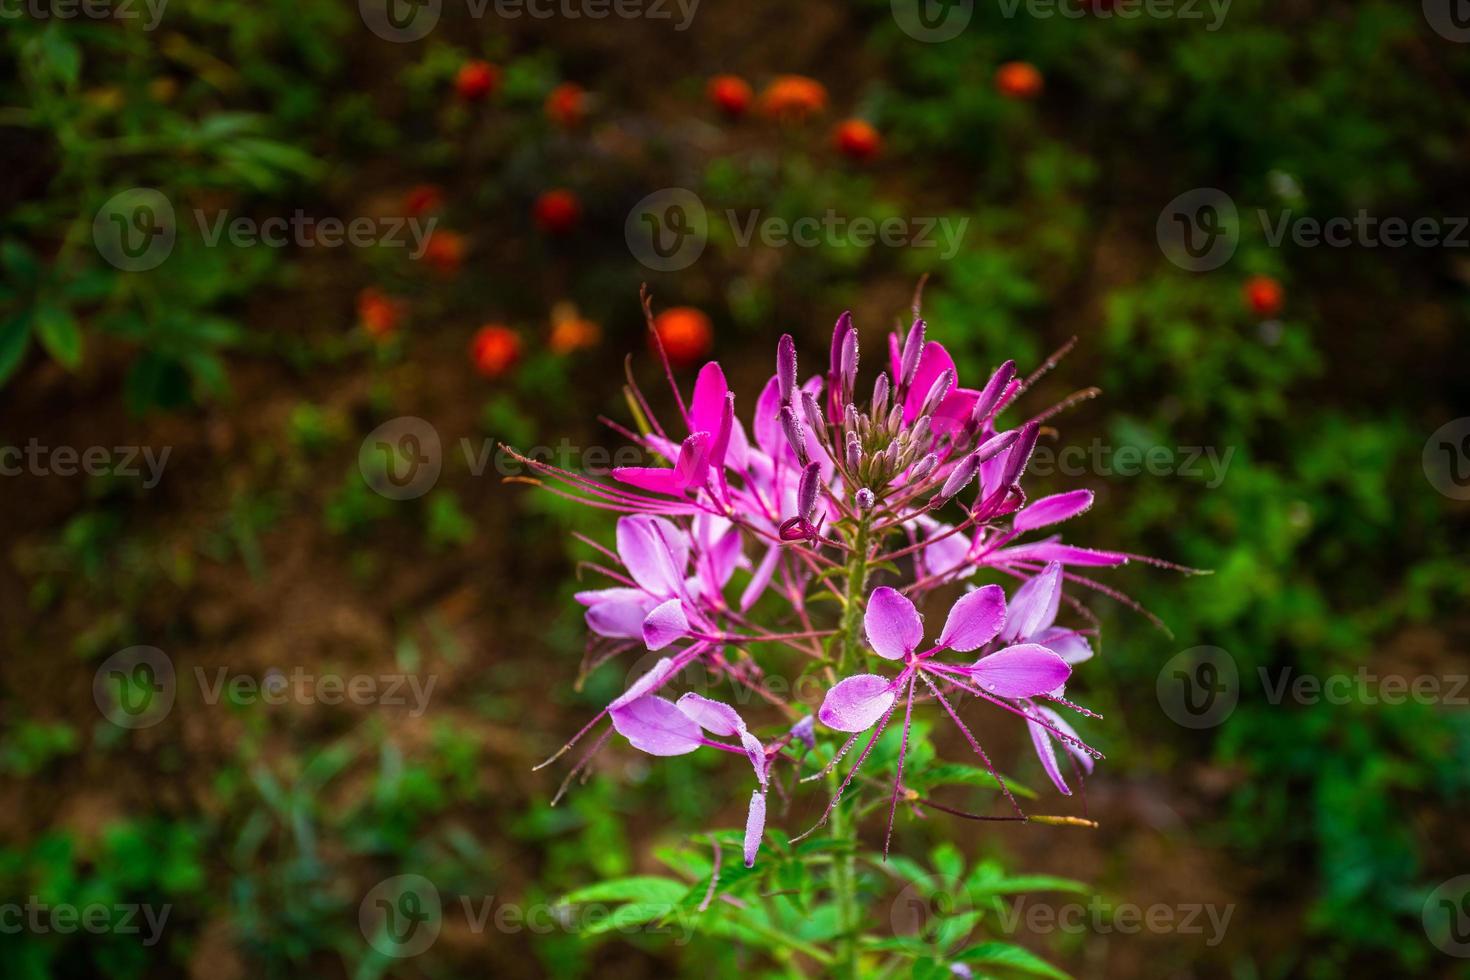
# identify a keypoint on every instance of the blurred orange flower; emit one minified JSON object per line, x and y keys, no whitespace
{"x":378,"y":313}
{"x":685,"y":333}
{"x":476,"y":80}
{"x":1018,"y":80}
{"x":567,"y":105}
{"x":422,"y":199}
{"x":794,"y":97}
{"x":444,"y":251}
{"x":495,"y":349}
{"x":570,"y":331}
{"x":1263,"y":295}
{"x":557,"y":211}
{"x":857,"y":139}
{"x":730,"y":94}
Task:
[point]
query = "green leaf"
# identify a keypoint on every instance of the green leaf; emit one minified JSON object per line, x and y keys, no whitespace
{"x":640,"y":888}
{"x":59,"y":55}
{"x":957,"y":774}
{"x":1012,"y":957}
{"x":58,"y":332}
{"x":19,"y":263}
{"x":632,"y":914}
{"x":15,"y":336}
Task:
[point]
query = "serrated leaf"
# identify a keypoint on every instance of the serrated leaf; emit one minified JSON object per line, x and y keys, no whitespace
{"x":1012,"y":957}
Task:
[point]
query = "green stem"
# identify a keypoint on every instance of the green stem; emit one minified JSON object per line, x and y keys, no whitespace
{"x":844,"y":829}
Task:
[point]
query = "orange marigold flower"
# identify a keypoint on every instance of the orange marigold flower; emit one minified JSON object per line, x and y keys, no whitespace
{"x":794,"y":97}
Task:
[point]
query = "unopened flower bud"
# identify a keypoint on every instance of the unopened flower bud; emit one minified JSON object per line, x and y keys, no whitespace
{"x":813,"y":411}
{"x":805,"y":732}
{"x":865,"y":500}
{"x":1020,"y":453}
{"x":919,"y":431}
{"x":849,"y":361}
{"x":794,"y":434}
{"x":880,"y":395}
{"x":997,"y":444}
{"x":854,"y":452}
{"x":786,"y":367}
{"x":990,"y":394}
{"x":958,"y":479}
{"x":806,"y":491}
{"x":937,"y":391}
{"x":913,"y":347}
{"x":924,"y":467}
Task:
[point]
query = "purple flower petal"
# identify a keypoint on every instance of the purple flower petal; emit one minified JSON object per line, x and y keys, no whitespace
{"x":620,"y":618}
{"x":1067,"y":554}
{"x":643,"y":545}
{"x":755,"y":827}
{"x":1021,"y":671}
{"x":1052,"y":510}
{"x":708,"y":403}
{"x":893,"y":625}
{"x":658,"y":479}
{"x":1034,"y":606}
{"x":1047,"y":753}
{"x":656,"y":677}
{"x":975,"y":619}
{"x":933,"y":362}
{"x":715,"y":717}
{"x":654,"y":725}
{"x":1070,"y":645}
{"x":665,"y":624}
{"x":756,"y":753}
{"x":1084,"y":759}
{"x":768,"y":434}
{"x":856,"y":703}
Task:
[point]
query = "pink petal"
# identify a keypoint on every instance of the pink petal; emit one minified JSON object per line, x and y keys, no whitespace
{"x":954,"y":411}
{"x":715,"y":717}
{"x":1047,"y":753}
{"x":657,"y":479}
{"x":1070,"y":645}
{"x":1034,"y":606}
{"x":656,"y":677}
{"x":933,"y":362}
{"x":654,"y":725}
{"x":856,"y":703}
{"x":1052,"y":510}
{"x":643,"y":545}
{"x":1021,"y":671}
{"x":1064,"y":553}
{"x":708,"y":403}
{"x":975,"y":619}
{"x":893,"y":625}
{"x":691,"y":469}
{"x":1084,"y":759}
{"x":756,"y":753}
{"x":755,"y":827}
{"x":665,"y":624}
{"x":761,"y":579}
{"x":620,"y":618}
{"x":768,"y":434}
